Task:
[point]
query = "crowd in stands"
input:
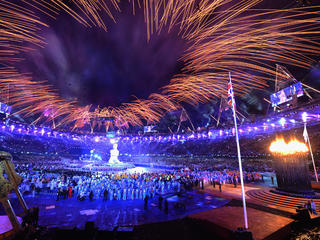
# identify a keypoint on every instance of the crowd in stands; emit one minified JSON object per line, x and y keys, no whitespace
{"x":122,"y":186}
{"x":251,"y":146}
{"x":43,"y":161}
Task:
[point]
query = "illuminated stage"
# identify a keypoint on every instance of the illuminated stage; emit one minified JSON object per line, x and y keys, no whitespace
{"x":96,"y":161}
{"x":106,"y":167}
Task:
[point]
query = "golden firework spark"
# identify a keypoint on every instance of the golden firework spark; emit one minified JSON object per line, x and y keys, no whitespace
{"x":223,"y":35}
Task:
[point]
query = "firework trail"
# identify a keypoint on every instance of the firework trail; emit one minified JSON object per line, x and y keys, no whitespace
{"x":223,"y":35}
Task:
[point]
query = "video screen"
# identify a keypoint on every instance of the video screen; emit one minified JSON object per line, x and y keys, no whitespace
{"x":148,"y":129}
{"x":4,"y":108}
{"x":286,"y":94}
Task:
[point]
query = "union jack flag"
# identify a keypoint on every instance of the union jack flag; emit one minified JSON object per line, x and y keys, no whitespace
{"x":231,"y":95}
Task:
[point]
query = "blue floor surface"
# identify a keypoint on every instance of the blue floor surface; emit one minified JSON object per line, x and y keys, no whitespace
{"x":70,"y":213}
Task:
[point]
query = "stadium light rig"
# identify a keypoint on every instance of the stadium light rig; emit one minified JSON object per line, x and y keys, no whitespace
{"x":276,"y":123}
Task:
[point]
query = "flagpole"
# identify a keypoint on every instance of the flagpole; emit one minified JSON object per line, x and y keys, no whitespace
{"x":220,"y":110}
{"x":314,"y":166}
{"x":189,"y":119}
{"x":54,"y":124}
{"x":239,"y":158}
{"x":179,"y":121}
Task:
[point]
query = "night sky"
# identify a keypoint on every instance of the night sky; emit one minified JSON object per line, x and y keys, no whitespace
{"x":105,"y":68}
{"x":108,"y":68}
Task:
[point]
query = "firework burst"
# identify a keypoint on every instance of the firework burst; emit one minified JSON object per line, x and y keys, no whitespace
{"x":224,"y":36}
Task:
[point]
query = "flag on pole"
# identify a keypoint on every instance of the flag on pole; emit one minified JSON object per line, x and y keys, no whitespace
{"x":305,"y":133}
{"x":306,"y":138}
{"x":231,"y":96}
{"x":231,"y":102}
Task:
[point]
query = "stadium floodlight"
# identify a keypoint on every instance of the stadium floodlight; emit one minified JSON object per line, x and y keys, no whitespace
{"x":282,"y":121}
{"x":304,"y":117}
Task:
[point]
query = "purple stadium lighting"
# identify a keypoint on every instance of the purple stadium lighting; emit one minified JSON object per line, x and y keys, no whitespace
{"x":280,"y":122}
